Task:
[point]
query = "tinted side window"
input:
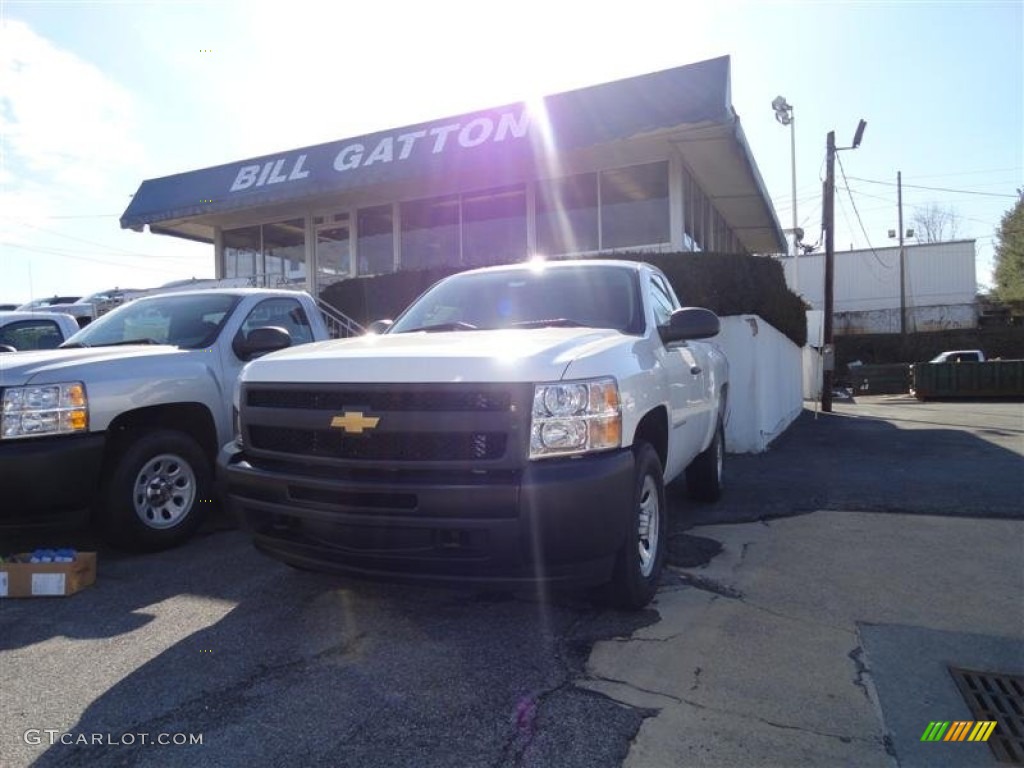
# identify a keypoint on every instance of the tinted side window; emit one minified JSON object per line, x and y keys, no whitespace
{"x":31,"y":334}
{"x":280,"y":313}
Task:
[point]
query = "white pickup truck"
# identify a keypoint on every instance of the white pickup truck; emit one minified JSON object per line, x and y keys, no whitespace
{"x":127,"y":416}
{"x":515,"y":424}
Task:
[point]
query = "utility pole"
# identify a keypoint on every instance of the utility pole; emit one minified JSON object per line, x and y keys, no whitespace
{"x":796,"y":247}
{"x":903,"y":272}
{"x":830,"y":194}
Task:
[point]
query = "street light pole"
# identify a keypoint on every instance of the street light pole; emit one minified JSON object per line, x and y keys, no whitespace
{"x":785,"y":115}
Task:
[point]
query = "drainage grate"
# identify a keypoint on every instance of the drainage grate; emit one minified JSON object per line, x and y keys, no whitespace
{"x":999,"y":697}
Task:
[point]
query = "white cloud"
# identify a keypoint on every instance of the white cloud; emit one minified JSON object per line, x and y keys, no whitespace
{"x":63,"y":121}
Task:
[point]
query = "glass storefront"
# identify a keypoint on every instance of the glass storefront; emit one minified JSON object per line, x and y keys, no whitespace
{"x":494,"y":226}
{"x":634,"y":206}
{"x":430,"y":232}
{"x":333,"y":248}
{"x":375,"y":247}
{"x":567,"y":213}
{"x":624,"y":207}
{"x":267,"y":254}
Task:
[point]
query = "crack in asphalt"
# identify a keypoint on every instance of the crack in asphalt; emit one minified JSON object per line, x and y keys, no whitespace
{"x":705,"y":584}
{"x":857,"y":657}
{"x":631,"y":686}
{"x":205,"y":706}
{"x":845,"y":739}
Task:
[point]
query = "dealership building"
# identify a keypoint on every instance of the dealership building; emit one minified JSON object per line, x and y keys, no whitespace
{"x":657,"y":162}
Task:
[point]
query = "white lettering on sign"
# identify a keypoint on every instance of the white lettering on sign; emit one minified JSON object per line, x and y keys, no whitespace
{"x":384,"y":153}
{"x":507,"y":124}
{"x":297,"y":171}
{"x":481,"y":126}
{"x":407,"y":140}
{"x":271,"y":172}
{"x":349,"y":157}
{"x":246,"y":177}
{"x":441,"y":132}
{"x":474,"y":133}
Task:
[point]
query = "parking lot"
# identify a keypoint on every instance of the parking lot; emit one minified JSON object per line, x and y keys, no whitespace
{"x":805,"y":621}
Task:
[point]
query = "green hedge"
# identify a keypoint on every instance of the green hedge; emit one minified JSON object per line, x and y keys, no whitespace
{"x":726,"y":283}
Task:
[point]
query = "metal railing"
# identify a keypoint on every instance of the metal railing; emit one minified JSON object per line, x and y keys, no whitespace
{"x":339,"y":325}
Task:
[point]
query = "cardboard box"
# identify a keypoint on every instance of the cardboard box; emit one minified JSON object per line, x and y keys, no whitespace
{"x":47,"y":579}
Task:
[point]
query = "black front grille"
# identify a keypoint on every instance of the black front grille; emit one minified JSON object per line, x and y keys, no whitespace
{"x":473,"y":400}
{"x":397,"y":446}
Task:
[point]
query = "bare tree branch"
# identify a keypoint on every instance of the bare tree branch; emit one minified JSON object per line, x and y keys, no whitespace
{"x":934,"y":224}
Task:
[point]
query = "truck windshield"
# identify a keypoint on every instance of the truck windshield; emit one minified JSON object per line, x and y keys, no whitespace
{"x":591,"y":296}
{"x":190,"y":322}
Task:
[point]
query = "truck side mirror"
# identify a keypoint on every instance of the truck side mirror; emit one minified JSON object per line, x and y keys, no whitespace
{"x":260,"y":341}
{"x":378,"y":327}
{"x":7,"y":348}
{"x":690,"y":323}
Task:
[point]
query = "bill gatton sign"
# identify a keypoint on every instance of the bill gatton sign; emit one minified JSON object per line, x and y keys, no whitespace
{"x":395,"y":148}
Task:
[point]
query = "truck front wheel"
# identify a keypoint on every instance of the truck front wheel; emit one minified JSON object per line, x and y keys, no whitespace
{"x":642,"y":557}
{"x":155,"y":492}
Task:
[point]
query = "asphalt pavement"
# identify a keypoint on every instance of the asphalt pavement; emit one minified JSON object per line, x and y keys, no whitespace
{"x":817,"y":639}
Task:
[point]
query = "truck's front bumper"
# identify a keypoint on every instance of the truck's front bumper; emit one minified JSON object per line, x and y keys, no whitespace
{"x":555,"y":521}
{"x":42,"y":479}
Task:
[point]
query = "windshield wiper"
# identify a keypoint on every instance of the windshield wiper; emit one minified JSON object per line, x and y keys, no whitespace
{"x":72,"y":345}
{"x":129,"y":341}
{"x":456,"y":325}
{"x":556,"y":322}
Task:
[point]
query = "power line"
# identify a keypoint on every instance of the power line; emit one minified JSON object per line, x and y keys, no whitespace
{"x":100,"y":245}
{"x":859,"y":220}
{"x":968,"y":173}
{"x":67,"y":255}
{"x":77,"y":216}
{"x":937,"y":189}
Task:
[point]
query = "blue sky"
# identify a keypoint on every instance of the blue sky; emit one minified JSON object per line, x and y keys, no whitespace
{"x":95,"y":97}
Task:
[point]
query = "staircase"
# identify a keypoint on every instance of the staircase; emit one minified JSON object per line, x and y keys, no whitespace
{"x":339,"y":325}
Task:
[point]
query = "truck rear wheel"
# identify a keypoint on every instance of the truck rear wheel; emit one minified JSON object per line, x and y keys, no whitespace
{"x":156,"y":492}
{"x":639,"y":564}
{"x":704,"y":476}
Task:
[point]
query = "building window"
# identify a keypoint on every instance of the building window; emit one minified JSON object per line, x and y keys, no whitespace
{"x":567,"y":215}
{"x":333,"y":236}
{"x":634,"y":206}
{"x":494,"y":226}
{"x":430,"y":232}
{"x":283,"y":243}
{"x":268,"y":254}
{"x":375,"y":240}
{"x":242,"y":252}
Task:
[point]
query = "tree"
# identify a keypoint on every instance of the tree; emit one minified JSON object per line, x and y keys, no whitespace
{"x":934,"y":224}
{"x":1009,"y":272}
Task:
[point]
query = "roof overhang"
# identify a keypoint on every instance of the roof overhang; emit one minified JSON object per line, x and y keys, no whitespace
{"x":687,"y":106}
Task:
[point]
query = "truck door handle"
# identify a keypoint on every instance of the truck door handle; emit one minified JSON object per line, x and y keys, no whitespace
{"x":694,"y":369}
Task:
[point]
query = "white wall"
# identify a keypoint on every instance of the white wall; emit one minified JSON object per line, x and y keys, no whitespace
{"x":765,"y":382}
{"x":937,"y":274}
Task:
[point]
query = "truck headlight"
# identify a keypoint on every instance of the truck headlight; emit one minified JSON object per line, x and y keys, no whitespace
{"x":575,"y":417}
{"x":47,"y":409}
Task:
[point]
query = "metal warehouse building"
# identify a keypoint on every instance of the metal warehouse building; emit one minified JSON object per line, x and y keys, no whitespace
{"x":939,"y":287}
{"x":655,"y":162}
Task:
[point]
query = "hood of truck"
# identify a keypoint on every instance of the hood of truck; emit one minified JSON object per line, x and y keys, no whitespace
{"x":53,"y":365}
{"x":513,"y":355}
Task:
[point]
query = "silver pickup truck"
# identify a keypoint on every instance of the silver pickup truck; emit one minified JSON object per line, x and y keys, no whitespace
{"x":126,"y":417}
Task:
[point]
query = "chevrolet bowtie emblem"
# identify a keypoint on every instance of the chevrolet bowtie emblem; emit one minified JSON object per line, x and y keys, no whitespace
{"x":354,"y":423}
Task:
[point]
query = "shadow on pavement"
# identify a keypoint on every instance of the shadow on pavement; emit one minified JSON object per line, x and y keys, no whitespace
{"x":843,"y":461}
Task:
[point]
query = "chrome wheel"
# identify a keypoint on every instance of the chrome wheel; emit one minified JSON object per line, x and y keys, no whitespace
{"x":648,"y":521}
{"x":164,"y":491}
